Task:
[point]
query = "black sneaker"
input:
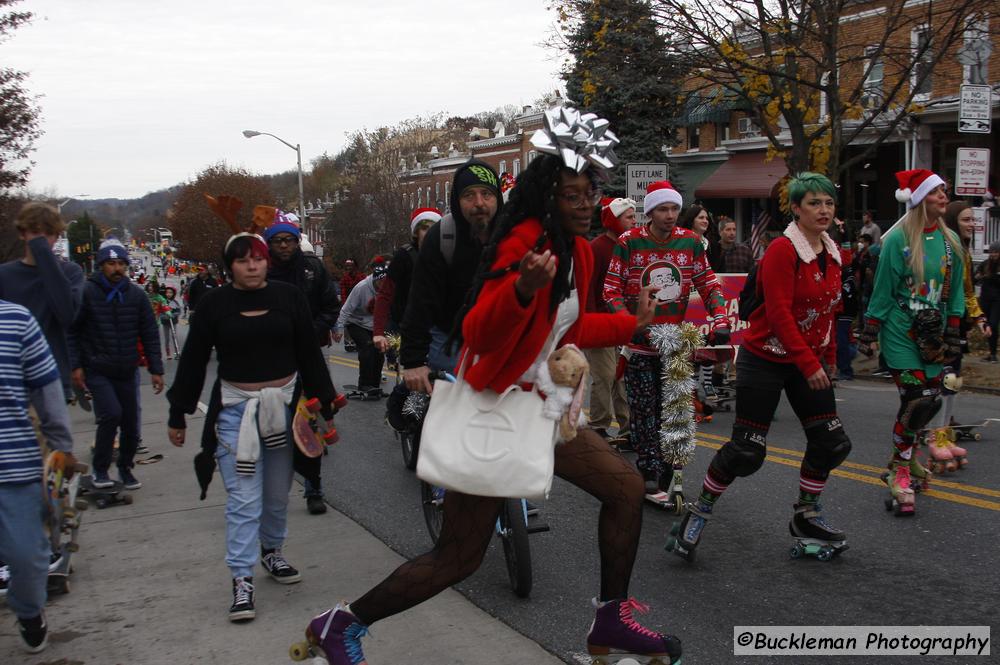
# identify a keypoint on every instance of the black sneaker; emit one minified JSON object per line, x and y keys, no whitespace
{"x":34,"y":633}
{"x":315,"y":504}
{"x":622,"y":441}
{"x":141,"y":450}
{"x":102,"y":480}
{"x":279,"y":569}
{"x":603,"y":432}
{"x":242,"y":607}
{"x":128,"y":480}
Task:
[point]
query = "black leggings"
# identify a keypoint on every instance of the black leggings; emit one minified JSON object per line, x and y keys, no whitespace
{"x":759,"y":384}
{"x":370,"y":359}
{"x":589,"y":463}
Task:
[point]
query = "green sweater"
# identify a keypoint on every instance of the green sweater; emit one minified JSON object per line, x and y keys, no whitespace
{"x":896,"y":296}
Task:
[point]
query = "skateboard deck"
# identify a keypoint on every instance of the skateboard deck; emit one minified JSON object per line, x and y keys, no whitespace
{"x":104,"y":497}
{"x":62,"y":520}
{"x":309,"y":430}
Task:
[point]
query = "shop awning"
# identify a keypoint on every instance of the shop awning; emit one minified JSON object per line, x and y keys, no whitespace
{"x":712,"y":107}
{"x":687,"y":176}
{"x":745,"y":176}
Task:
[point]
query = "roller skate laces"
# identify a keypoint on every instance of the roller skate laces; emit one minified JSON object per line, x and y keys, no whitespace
{"x":900,"y":485}
{"x":615,"y":632}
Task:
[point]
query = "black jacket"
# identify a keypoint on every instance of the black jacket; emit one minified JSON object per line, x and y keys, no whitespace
{"x":309,"y":275}
{"x":438,"y":290}
{"x":107,"y":332}
{"x":198,"y":288}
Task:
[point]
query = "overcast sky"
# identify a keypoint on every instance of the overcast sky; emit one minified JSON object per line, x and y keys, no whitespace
{"x":138,"y":96}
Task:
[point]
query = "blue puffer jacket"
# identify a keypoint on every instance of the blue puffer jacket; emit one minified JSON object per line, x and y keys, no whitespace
{"x":109,"y":328}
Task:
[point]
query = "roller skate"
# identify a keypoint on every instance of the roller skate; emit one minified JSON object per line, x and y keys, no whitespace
{"x":813,"y":535}
{"x":335,"y":636}
{"x":686,"y":533}
{"x":702,"y":411}
{"x":900,"y":485}
{"x":957,"y":452}
{"x":941,"y":457}
{"x":615,"y":635}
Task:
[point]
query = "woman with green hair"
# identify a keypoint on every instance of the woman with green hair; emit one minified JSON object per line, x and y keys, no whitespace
{"x":913,"y":316}
{"x":789,"y":346}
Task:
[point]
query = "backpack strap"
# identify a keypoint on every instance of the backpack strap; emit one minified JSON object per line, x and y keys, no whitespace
{"x":448,"y":239}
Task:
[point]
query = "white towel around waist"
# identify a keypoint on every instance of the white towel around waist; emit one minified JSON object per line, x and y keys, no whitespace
{"x":264,"y":420}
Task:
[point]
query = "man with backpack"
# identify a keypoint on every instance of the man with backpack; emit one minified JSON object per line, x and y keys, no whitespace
{"x":444,"y":272}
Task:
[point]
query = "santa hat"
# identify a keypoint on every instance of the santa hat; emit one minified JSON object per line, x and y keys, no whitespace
{"x":914,"y":185}
{"x":423,"y":215}
{"x":611,"y":210}
{"x":284,"y":222}
{"x":659,"y":193}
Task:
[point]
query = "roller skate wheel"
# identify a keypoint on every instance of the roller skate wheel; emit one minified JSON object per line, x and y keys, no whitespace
{"x":81,"y":504}
{"x":299,"y":651}
{"x":977,"y":436}
{"x":795,"y":552}
{"x":825,"y":554}
{"x":671,"y":544}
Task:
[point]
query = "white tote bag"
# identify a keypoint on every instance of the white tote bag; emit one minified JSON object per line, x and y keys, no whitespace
{"x":487,"y":444}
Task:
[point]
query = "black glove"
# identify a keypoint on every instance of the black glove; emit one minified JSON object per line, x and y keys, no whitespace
{"x":952,"y":341}
{"x":868,"y":336}
{"x":719,"y":336}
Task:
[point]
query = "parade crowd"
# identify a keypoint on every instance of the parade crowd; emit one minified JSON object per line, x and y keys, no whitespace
{"x":495,"y":293}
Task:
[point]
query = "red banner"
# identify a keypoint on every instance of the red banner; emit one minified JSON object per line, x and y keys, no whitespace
{"x":732,"y":284}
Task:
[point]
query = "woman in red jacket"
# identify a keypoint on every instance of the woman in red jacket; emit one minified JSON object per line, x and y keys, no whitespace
{"x":533,"y":281}
{"x":788,"y":347}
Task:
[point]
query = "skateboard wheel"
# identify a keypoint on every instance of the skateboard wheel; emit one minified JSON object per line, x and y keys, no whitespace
{"x":299,"y":651}
{"x":81,"y":504}
{"x":127,"y":500}
{"x":102,"y":503}
{"x":340,"y":401}
{"x":977,"y":437}
{"x":331,"y":437}
{"x":312,"y":406}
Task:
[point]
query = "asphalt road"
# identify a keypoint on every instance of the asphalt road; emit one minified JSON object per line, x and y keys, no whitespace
{"x":937,"y":568}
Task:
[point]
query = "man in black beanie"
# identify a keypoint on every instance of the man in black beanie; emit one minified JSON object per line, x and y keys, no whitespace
{"x":446,"y":266}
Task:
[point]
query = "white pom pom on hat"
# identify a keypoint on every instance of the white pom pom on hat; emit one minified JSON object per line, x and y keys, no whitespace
{"x":915,"y":184}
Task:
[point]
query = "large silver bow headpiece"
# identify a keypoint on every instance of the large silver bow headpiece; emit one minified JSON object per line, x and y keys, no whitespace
{"x":579,"y":139}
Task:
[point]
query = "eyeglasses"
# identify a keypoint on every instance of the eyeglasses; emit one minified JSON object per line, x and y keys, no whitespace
{"x":284,"y":240}
{"x":575,"y":200}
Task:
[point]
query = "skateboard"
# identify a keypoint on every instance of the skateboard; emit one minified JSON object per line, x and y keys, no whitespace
{"x":82,"y":399}
{"x":104,"y":497}
{"x":968,"y":432}
{"x":353,"y":392}
{"x":62,"y":519}
{"x":309,"y":429}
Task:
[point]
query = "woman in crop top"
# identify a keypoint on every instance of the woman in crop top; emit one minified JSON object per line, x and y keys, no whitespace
{"x":267,"y":352}
{"x":533,"y":280}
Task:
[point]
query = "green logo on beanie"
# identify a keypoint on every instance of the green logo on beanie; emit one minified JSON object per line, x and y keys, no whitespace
{"x":484,"y":174}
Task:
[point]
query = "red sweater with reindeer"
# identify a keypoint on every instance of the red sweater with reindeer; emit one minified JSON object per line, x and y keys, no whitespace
{"x":796,"y":322}
{"x":505,"y":337}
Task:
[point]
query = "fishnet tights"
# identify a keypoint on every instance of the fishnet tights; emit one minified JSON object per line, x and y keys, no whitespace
{"x":589,"y":463}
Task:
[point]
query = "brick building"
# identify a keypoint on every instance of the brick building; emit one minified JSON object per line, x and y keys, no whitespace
{"x":721,"y":155}
{"x":506,"y":149}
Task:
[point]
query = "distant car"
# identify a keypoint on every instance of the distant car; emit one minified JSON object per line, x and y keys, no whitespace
{"x":157,"y":263}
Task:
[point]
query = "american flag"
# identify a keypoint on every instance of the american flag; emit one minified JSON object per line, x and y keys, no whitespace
{"x":757,"y":233}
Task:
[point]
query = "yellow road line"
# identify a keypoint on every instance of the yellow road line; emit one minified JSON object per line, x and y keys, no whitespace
{"x":971,"y":489}
{"x":945,"y":496}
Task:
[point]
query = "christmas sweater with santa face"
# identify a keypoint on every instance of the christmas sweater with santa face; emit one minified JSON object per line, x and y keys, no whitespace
{"x":673,"y":266}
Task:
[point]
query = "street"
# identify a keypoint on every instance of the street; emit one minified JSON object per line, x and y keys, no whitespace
{"x":937,"y":568}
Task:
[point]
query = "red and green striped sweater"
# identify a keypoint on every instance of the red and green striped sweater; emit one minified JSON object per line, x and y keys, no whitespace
{"x":674,"y":265}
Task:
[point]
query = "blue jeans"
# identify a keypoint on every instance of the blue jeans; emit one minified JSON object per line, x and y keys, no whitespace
{"x":24,"y":546}
{"x":845,"y":350}
{"x":437,"y":359}
{"x":116,"y":405}
{"x":257,"y":505}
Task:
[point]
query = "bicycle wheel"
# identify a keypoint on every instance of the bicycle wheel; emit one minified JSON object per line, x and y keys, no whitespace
{"x":410,"y":443}
{"x":516,"y":549}
{"x":432,"y":502}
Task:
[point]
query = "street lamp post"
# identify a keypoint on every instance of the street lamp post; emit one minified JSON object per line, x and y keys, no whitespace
{"x":249,"y":133}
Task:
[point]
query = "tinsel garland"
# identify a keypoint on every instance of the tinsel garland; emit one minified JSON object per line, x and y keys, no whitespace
{"x":676,"y":343}
{"x":415,"y":405}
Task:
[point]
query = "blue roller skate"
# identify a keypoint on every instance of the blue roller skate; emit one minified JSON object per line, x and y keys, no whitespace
{"x":686,"y":534}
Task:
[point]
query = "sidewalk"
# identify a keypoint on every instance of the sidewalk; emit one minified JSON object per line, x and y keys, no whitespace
{"x":150,"y":585}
